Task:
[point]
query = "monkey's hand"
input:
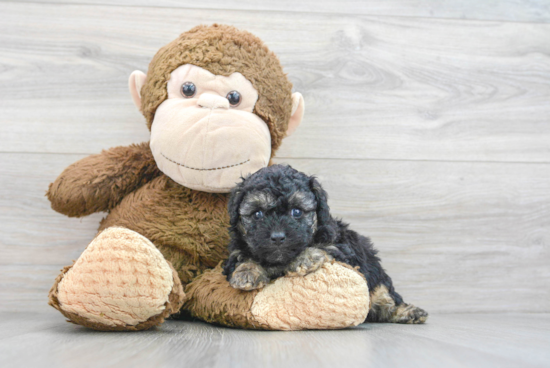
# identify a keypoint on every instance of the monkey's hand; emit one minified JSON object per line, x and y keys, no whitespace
{"x":249,"y":276}
{"x":310,"y":260}
{"x":99,"y":182}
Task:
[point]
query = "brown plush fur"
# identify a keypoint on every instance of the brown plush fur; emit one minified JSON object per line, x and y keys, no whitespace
{"x":212,"y":299}
{"x":99,"y":182}
{"x":188,"y":227}
{"x":224,"y":50}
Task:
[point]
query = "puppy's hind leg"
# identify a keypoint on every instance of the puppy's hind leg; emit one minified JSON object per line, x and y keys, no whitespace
{"x":388,"y":306}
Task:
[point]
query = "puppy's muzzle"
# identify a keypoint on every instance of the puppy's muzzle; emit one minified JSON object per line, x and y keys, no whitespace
{"x":278,"y":237}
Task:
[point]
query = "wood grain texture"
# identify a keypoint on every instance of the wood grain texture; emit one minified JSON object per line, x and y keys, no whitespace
{"x":456,"y":340}
{"x":430,"y":135}
{"x":508,"y":10}
{"x":375,"y":87}
{"x":455,"y":237}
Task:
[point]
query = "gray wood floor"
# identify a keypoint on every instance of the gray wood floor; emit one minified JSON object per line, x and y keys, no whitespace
{"x":450,"y":340}
{"x":432,"y":135}
{"x":427,"y":121}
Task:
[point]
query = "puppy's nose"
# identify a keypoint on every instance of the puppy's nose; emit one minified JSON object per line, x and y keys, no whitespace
{"x":278,"y":237}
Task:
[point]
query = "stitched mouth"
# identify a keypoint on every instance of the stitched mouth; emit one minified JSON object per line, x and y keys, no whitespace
{"x":199,"y":169}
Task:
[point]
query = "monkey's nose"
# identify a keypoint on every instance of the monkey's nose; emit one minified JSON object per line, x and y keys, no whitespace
{"x":211,"y":101}
{"x":278,"y":237}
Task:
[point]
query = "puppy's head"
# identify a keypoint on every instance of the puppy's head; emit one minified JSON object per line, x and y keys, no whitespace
{"x":277,"y":212}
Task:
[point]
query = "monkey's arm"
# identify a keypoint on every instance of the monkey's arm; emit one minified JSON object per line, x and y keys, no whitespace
{"x":99,"y":182}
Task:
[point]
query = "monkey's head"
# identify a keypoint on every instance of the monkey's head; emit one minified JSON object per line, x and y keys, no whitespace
{"x":218,"y":105}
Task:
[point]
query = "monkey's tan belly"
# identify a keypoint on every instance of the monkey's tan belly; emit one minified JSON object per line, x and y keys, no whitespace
{"x":188,"y":227}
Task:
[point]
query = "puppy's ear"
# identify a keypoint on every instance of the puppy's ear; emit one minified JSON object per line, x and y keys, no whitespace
{"x":235,"y":199}
{"x":327,"y":229}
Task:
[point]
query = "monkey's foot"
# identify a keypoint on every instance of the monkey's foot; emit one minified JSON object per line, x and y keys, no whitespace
{"x":120,"y":282}
{"x":334,"y":296}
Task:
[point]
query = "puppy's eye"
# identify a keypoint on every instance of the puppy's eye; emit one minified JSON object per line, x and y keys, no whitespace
{"x":296,"y":213}
{"x":188,"y":89}
{"x":258,"y":215}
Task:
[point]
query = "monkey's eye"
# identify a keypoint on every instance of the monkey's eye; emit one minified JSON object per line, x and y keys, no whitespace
{"x":188,"y":89}
{"x":258,"y":215}
{"x":234,"y":98}
{"x":296,"y":213}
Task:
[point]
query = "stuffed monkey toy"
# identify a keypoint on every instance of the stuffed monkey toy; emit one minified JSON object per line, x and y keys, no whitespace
{"x":218,"y":106}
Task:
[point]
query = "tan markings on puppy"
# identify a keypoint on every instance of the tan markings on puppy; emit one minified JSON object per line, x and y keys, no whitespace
{"x":310,"y":260}
{"x":249,"y":276}
{"x":385,"y":310}
{"x":314,"y":222}
{"x":254,"y":201}
{"x":303,"y":200}
{"x":382,"y":304}
{"x":237,"y":254}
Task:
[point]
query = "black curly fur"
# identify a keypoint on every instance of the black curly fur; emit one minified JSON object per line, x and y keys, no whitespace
{"x":273,"y":190}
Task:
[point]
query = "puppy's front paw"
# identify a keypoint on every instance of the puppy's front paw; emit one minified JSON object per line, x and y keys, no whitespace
{"x":308,"y":261}
{"x":249,"y":276}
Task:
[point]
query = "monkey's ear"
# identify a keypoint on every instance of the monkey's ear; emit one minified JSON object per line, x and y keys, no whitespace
{"x":298,"y":107}
{"x":136,"y":81}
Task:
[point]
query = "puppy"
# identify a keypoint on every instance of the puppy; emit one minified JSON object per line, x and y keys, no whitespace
{"x":281,"y":225}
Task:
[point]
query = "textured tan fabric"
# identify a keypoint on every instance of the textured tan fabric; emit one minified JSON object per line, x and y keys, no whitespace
{"x":335,"y":296}
{"x":173,"y":305}
{"x":121,"y":279}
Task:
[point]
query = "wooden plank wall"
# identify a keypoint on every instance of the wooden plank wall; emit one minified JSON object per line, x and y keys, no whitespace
{"x":428,"y":123}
